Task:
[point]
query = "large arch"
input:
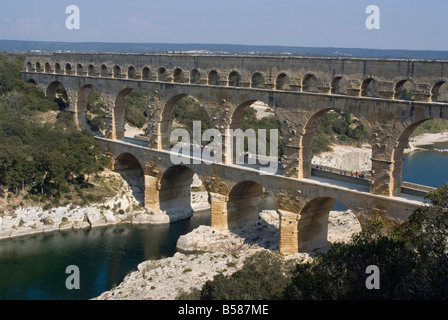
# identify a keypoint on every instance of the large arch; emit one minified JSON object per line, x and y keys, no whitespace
{"x":178,"y":75}
{"x":313,"y":224}
{"x":162,"y":74}
{"x":234,"y":79}
{"x":339,"y":85}
{"x":404,"y":90}
{"x":119,"y":113}
{"x":57,"y":92}
{"x":131,"y":73}
{"x":130,"y":168}
{"x":146,"y":73}
{"x":117,"y":71}
{"x":213,"y":78}
{"x":243,"y":203}
{"x":175,"y":189}
{"x":82,"y":119}
{"x":370,"y":88}
{"x":257,"y":80}
{"x":195,"y":76}
{"x":166,"y":120}
{"x":282,"y":81}
{"x":310,"y":83}
{"x":306,"y":141}
{"x":104,"y":71}
{"x":439,"y":91}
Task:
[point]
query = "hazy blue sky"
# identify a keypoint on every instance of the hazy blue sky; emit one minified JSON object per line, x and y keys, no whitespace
{"x":405,"y":24}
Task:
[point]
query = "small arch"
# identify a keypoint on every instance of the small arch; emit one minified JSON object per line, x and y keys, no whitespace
{"x":131,"y":73}
{"x":282,"y":82}
{"x":195,"y":76}
{"x":146,"y":73}
{"x":38,"y":67}
{"x":178,"y":75}
{"x":117,"y":72}
{"x":243,"y":203}
{"x":310,"y":83}
{"x":370,"y":88}
{"x":439,"y":92}
{"x":404,"y":90}
{"x":31,"y":81}
{"x":68,"y":68}
{"x":213,"y":78}
{"x":29,"y":67}
{"x":48,"y":67}
{"x":162,"y":74}
{"x":257,"y":81}
{"x":104,"y":72}
{"x":79,"y":69}
{"x":91,"y":70}
{"x":339,"y":85}
{"x":58,"y":69}
{"x":234,"y":79}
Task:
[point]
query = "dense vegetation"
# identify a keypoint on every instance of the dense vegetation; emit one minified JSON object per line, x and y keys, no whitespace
{"x":412,"y":259}
{"x":337,"y":127}
{"x":38,"y":158}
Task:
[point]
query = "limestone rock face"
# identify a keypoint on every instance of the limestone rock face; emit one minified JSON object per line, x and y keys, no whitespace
{"x":206,"y":239}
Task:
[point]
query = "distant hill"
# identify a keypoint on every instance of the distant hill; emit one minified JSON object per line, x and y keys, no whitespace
{"x":44,"y":47}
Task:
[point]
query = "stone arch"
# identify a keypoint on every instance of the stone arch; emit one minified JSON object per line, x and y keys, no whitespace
{"x":79,"y":69}
{"x":131,"y":73}
{"x":282,"y":81}
{"x":104,"y":71}
{"x":81,"y":107}
{"x":29,"y":67}
{"x":146,"y":73}
{"x":68,"y":68}
{"x":243,"y":203}
{"x":234,"y":79}
{"x":213,"y":78}
{"x":131,"y":170}
{"x":439,"y":90}
{"x":91,"y":70}
{"x":118,"y":115}
{"x":404,"y":89}
{"x":175,"y":190}
{"x":38,"y":67}
{"x":166,"y":119}
{"x":31,"y":81}
{"x":313,"y":224}
{"x":178,"y":75}
{"x":58,"y":68}
{"x":310,"y":83}
{"x":339,"y":85}
{"x":117,"y":72}
{"x":48,"y":68}
{"x":370,"y":87}
{"x":162,"y":74}
{"x":56,"y":91}
{"x":306,"y":140}
{"x":257,"y":80}
{"x":195,"y":76}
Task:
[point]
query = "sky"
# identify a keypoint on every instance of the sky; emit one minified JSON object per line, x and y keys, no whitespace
{"x":411,"y":24}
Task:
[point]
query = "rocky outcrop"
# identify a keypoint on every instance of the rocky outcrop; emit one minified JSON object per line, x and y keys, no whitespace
{"x":345,"y":158}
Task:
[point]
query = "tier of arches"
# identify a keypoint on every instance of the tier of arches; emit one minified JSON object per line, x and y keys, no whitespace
{"x":369,"y":86}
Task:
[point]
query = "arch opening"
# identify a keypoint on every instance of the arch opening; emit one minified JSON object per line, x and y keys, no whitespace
{"x":104,"y":72}
{"x":257,"y":81}
{"x":91,"y":70}
{"x":370,"y":88}
{"x":48,"y":68}
{"x":310,"y":83}
{"x":234,"y":79}
{"x":253,"y":117}
{"x":439,"y":92}
{"x":130,"y":115}
{"x":131,"y":73}
{"x":57,"y":69}
{"x":38,"y":67}
{"x":132,"y":172}
{"x":282,"y":82}
{"x":404,"y":90}
{"x":146,"y":73}
{"x":213,"y":78}
{"x":179,"y":113}
{"x":336,"y":146}
{"x":68,"y":69}
{"x":79,"y":69}
{"x":178,"y":75}
{"x":182,"y":194}
{"x":57,"y":93}
{"x":117,"y":72}
{"x":324,"y":221}
{"x":29,"y":67}
{"x":91,"y":112}
{"x":162,"y":74}
{"x":195,"y":76}
{"x":339,"y":85}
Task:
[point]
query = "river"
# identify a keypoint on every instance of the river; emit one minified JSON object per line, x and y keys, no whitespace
{"x":33,"y":267}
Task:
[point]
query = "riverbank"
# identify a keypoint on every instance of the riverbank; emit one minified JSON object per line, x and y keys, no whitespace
{"x":124,"y":208}
{"x":207,"y":252}
{"x":426,"y":139}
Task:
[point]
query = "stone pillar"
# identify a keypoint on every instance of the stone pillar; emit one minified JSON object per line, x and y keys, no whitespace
{"x":151,"y":194}
{"x":218,"y":211}
{"x":292,"y":162}
{"x":382,"y":177}
{"x":289,"y":240}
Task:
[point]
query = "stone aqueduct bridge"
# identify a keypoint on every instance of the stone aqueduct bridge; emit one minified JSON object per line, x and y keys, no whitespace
{"x":299,"y":90}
